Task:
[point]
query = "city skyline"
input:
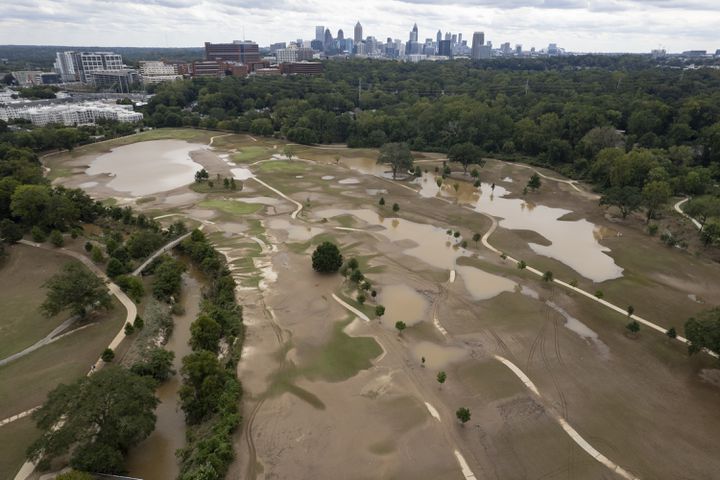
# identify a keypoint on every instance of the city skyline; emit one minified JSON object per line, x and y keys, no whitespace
{"x":588,"y":26}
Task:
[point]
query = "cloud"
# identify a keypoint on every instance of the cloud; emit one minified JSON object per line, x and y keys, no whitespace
{"x":581,"y":25}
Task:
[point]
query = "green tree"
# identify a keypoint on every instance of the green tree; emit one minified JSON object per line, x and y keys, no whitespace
{"x":396,"y":207}
{"x":96,"y":420}
{"x":156,"y":363}
{"x":633,"y":327}
{"x":96,"y":254}
{"x":397,"y":155}
{"x":703,"y":208}
{"x":463,"y":414}
{"x":379,"y":311}
{"x":133,"y":286}
{"x":655,"y":195}
{"x":10,"y":231}
{"x":400,"y":326}
{"x":703,"y":331}
{"x":262,"y":126}
{"x":441,"y":377}
{"x":129,"y":329}
{"x":203,"y":383}
{"x":205,"y":334}
{"x":476,"y":238}
{"x":534,"y":182}
{"x":710,"y":233}
{"x":56,"y":238}
{"x":671,"y":332}
{"x":76,"y":288}
{"x":356,"y":276}
{"x":627,"y":199}
{"x":201,"y":175}
{"x":548,"y":276}
{"x":289,"y":152}
{"x":382,"y":201}
{"x":168,"y":278}
{"x":327,"y":258}
{"x":466,"y":154}
{"x":353,"y":264}
{"x":108,"y":355}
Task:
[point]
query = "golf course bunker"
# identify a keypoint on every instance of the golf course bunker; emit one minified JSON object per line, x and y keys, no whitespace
{"x":349,"y":181}
{"x":482,"y":285}
{"x":299,"y":233}
{"x":402,"y":304}
{"x":327,"y":177}
{"x":433,"y":246}
{"x":438,"y":356}
{"x":573,"y":243}
{"x":242,"y":173}
{"x":149,"y":167}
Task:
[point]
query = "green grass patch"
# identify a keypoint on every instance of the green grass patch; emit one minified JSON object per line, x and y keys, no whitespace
{"x":59,"y":172}
{"x":142,"y":200}
{"x":232,"y":207}
{"x":283,"y":166}
{"x":15,"y":438}
{"x":250,"y":154}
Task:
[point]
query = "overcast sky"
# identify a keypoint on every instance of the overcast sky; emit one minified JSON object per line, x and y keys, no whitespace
{"x":576,"y":25}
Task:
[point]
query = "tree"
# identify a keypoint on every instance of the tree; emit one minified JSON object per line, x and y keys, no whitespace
{"x":108,"y":355}
{"x":630,"y":310}
{"x":534,"y":182}
{"x":382,"y":201}
{"x":441,"y":377}
{"x":10,"y":232}
{"x":702,"y":208}
{"x":129,"y":329}
{"x":655,"y":194}
{"x":74,"y":475}
{"x":156,"y":363}
{"x":671,"y":332}
{"x":379,"y":311}
{"x":201,"y":175}
{"x":353,"y":264}
{"x":628,"y":199}
{"x":205,"y":334}
{"x":463,"y":414}
{"x":396,"y":207}
{"x":400,"y":326}
{"x":56,"y":238}
{"x":397,"y":155}
{"x":114,"y":267}
{"x":203,"y":383}
{"x":466,"y":154}
{"x":476,"y":238}
{"x":703,"y":331}
{"x":522,"y":265}
{"x":633,"y":327}
{"x":96,"y":419}
{"x":710,"y":233}
{"x":76,"y":288}
{"x":262,"y":126}
{"x":289,"y":152}
{"x":356,"y":276}
{"x":131,"y":285}
{"x":547,"y":276}
{"x":327,"y":258}
{"x":168,"y":278}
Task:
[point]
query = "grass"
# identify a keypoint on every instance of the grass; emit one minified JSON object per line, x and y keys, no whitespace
{"x":14,"y":440}
{"x":283,"y":166}
{"x":142,"y":200}
{"x":27,"y":380}
{"x":21,"y":277}
{"x":231,"y":207}
{"x":250,"y":154}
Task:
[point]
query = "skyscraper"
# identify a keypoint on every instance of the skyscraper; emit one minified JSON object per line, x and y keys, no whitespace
{"x":414,"y":34}
{"x":459,"y":38}
{"x":341,"y":35}
{"x":327,"y":42}
{"x":320,"y":33}
{"x":444,"y":48}
{"x":439,"y":36}
{"x":477,"y":43}
{"x":358,"y":33}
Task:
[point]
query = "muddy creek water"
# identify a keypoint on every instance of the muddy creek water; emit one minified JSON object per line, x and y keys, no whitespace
{"x":155,"y":458}
{"x":149,"y":167}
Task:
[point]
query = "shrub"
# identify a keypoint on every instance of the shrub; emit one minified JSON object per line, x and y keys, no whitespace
{"x":38,"y":234}
{"x":56,"y":238}
{"x":107,"y":355}
{"x":129,"y":329}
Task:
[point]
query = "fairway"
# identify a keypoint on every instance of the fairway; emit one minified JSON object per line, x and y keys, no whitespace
{"x":232,"y":207}
{"x":250,"y":154}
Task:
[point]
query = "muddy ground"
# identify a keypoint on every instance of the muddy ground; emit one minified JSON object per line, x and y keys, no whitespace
{"x":328,"y":395}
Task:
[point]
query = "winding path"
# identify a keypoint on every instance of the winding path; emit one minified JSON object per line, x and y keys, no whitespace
{"x":572,"y":433}
{"x":160,"y":251}
{"x":678,"y":209}
{"x":297,"y":204}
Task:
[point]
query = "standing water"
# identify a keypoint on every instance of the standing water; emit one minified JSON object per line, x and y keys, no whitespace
{"x":155,"y":457}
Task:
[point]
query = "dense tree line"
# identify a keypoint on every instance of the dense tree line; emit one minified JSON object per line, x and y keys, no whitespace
{"x":210,"y":394}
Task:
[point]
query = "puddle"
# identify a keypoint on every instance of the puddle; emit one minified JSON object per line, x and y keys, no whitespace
{"x":368,"y":166}
{"x":298,"y":233}
{"x":181,"y":199}
{"x":242,"y":173}
{"x":528,"y":292}
{"x":482,"y":285}
{"x":327,"y":177}
{"x":428,"y":185}
{"x":432,"y":245}
{"x":402,"y":304}
{"x":437,"y":356}
{"x":582,"y":330}
{"x":507,"y":180}
{"x":572,"y":242}
{"x":695,"y":298}
{"x":349,"y":181}
{"x":376,"y":191}
{"x":146,"y":168}
{"x":88,"y":185}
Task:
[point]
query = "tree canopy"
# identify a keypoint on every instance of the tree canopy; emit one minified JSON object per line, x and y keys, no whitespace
{"x":76,"y":288}
{"x":397,"y":155}
{"x":327,"y":258}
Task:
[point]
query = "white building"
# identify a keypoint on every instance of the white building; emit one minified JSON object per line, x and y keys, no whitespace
{"x":77,"y":66}
{"x":156,"y":72}
{"x":71,"y":114}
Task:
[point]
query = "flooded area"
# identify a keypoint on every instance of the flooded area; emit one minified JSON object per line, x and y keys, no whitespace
{"x":148,"y":167}
{"x":482,"y":285}
{"x":155,"y":456}
{"x":582,"y":330}
{"x":438,"y":356}
{"x":430,"y":244}
{"x":402,"y":304}
{"x":298,"y":233}
{"x":573,"y":243}
{"x":428,"y":185}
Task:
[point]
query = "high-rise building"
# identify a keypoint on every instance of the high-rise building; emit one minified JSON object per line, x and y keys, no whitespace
{"x":320,"y":33}
{"x":478,"y":42}
{"x":438,"y":37}
{"x":77,"y":66}
{"x":341,"y":35}
{"x":414,"y":33}
{"x":448,"y":35}
{"x":453,"y":38}
{"x":328,"y":40}
{"x":237,"y":51}
{"x":459,"y":38}
{"x":444,"y":48}
{"x":358,"y":33}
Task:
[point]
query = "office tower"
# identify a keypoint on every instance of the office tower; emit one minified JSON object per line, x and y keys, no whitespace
{"x":453,"y":39}
{"x":518,"y":49}
{"x":439,"y":36}
{"x":327,"y":42}
{"x":320,"y":33}
{"x":414,"y":34}
{"x":459,"y":38}
{"x":444,"y":48}
{"x":341,"y":35}
{"x":477,"y":43}
{"x":448,"y":35}
{"x":77,"y":66}
{"x":238,"y":51}
{"x":358,"y":33}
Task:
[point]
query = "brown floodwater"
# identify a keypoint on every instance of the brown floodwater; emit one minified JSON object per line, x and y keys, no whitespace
{"x":574,"y":243}
{"x":483,"y":285}
{"x":431,"y":244}
{"x":155,"y":458}
{"x":437,"y":356}
{"x":149,"y":167}
{"x":402,"y":304}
